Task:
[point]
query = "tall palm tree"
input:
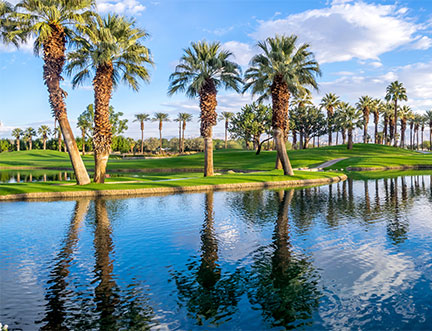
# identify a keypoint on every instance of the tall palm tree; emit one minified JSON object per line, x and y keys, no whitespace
{"x":44,"y":131}
{"x":365,"y":104}
{"x":350,"y":119}
{"x":375,"y":109}
{"x":226,"y":117}
{"x":17,"y":133}
{"x":428,"y":117}
{"x":29,"y":133}
{"x":329,"y":102}
{"x":411,"y":123}
{"x":405,"y":115}
{"x":395,"y":92}
{"x":203,"y":69}
{"x":85,"y":125}
{"x":111,"y":49}
{"x":417,"y":123}
{"x":283,"y":68}
{"x":422,"y":126}
{"x":160,"y":117}
{"x":141,"y":118}
{"x":185,"y":118}
{"x":52,"y":23}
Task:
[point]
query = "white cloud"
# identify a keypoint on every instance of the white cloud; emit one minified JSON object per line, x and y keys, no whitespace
{"x":348,"y":30}
{"x":220,"y":31}
{"x":242,"y":52}
{"x":376,"y":64}
{"x":120,"y":6}
{"x":26,"y":47}
{"x":416,"y":77}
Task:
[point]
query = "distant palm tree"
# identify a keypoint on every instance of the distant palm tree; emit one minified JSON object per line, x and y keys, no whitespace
{"x":428,"y":117}
{"x":132,"y":144}
{"x":112,"y":48}
{"x":365,"y":104}
{"x":350,"y":118}
{"x":29,"y":133}
{"x":185,"y":118}
{"x":412,"y":133}
{"x":422,"y":128}
{"x":405,"y":115}
{"x":44,"y":131}
{"x":17,"y":133}
{"x":85,"y":125}
{"x":395,"y":92}
{"x":141,"y":118}
{"x":329,"y":102}
{"x":203,"y":69}
{"x":282,"y":69}
{"x":57,"y":132}
{"x":417,"y":123}
{"x":51,"y":22}
{"x":160,"y":117}
{"x":226,"y":116}
{"x":375,"y":109}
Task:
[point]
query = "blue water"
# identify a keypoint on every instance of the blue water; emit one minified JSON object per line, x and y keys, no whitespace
{"x":355,"y":255}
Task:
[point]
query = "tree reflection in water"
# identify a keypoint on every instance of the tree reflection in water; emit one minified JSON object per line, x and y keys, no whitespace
{"x":109,"y":307}
{"x":281,"y":282}
{"x":208,"y":294}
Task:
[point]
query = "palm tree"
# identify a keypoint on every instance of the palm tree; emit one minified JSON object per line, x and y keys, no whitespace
{"x":405,"y":115}
{"x":28,"y":135}
{"x":180,"y":121}
{"x":226,"y":116}
{"x":395,"y":91}
{"x":411,"y":123}
{"x":51,"y":22}
{"x":387,"y":119}
{"x":428,"y":117}
{"x":282,"y":69}
{"x":365,"y":104}
{"x":375,"y":109}
{"x":203,"y":69}
{"x":44,"y":131}
{"x":141,"y":118}
{"x":84,"y":125}
{"x":57,"y":132}
{"x":111,"y":48}
{"x":5,"y":10}
{"x":422,"y":125}
{"x":185,"y":118}
{"x":417,"y":122}
{"x":330,"y":101}
{"x":350,"y":119}
{"x":17,"y":133}
{"x":160,"y":117}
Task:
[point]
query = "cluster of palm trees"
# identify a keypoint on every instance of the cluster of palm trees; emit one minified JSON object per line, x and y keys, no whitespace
{"x":342,"y":117}
{"x":43,"y":131}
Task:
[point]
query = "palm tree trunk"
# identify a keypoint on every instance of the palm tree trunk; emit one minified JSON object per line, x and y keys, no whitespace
{"x":337,"y":137}
{"x":376,"y":120}
{"x":160,"y":137}
{"x":226,"y":133}
{"x":103,"y":85}
{"x":330,"y":133}
{"x":54,"y":58}
{"x":402,"y":142}
{"x":179,"y":137}
{"x":208,"y":116}
{"x":44,"y":144}
{"x":395,"y":125}
{"x":343,"y":137}
{"x":142,"y":137}
{"x":350,"y":139}
{"x":422,"y":139}
{"x":430,"y":136}
{"x":30,"y":143}
{"x":18,"y":144}
{"x":183,"y":131}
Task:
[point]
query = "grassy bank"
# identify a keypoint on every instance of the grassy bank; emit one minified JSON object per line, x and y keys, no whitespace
{"x":361,"y":156}
{"x":270,"y":176}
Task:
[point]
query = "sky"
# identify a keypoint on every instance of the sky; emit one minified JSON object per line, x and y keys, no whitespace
{"x":361,"y":47}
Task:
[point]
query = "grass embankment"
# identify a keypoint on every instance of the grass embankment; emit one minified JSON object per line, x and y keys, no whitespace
{"x":368,"y":156}
{"x":362,"y":156}
{"x":270,"y":176}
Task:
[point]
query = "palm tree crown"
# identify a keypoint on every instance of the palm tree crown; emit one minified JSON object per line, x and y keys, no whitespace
{"x":141,"y":118}
{"x":395,"y":92}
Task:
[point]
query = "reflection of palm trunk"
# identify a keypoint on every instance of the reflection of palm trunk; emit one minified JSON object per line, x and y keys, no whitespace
{"x":56,"y":295}
{"x":367,"y":198}
{"x":282,"y":255}
{"x":208,"y":273}
{"x":106,"y":298}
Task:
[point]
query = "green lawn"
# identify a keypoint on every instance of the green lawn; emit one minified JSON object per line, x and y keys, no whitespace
{"x":274,"y":175}
{"x":361,"y":156}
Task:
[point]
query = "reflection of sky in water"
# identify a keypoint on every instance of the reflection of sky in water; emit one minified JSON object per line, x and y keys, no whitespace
{"x":358,"y":258}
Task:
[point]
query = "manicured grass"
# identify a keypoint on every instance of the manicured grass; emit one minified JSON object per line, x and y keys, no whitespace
{"x":372,"y":175}
{"x":361,"y":156}
{"x":274,"y":175}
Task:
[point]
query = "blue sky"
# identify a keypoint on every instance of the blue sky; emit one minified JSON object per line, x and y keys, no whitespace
{"x":360,"y":45}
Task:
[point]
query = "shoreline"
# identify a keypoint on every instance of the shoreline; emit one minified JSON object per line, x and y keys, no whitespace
{"x":171,"y":190}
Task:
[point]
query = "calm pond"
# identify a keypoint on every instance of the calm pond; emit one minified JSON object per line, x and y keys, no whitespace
{"x":356,"y":254}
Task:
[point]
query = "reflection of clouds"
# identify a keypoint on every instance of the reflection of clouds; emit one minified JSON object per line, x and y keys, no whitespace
{"x":375,"y":275}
